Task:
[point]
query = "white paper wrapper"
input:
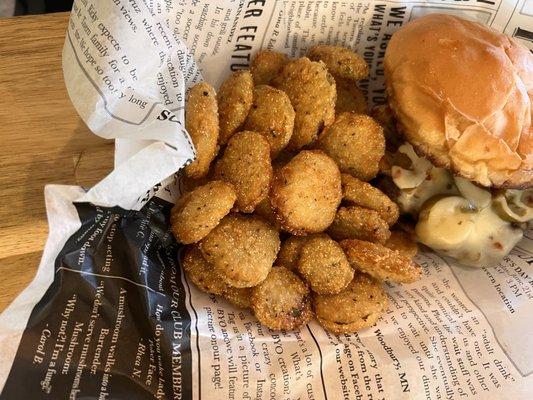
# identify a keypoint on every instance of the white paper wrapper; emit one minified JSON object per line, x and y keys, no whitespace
{"x":457,"y":333}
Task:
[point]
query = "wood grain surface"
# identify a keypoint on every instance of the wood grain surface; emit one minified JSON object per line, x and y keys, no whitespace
{"x":42,"y":140}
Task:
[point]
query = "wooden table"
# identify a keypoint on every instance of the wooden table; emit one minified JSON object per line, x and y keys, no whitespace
{"x":42,"y":140}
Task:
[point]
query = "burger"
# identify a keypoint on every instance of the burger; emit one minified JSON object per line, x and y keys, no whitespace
{"x":461,"y":99}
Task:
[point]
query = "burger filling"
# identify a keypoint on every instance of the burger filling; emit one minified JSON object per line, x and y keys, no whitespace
{"x":455,"y":217}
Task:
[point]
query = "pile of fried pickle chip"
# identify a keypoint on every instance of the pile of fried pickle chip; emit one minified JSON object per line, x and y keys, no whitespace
{"x":278,"y":215}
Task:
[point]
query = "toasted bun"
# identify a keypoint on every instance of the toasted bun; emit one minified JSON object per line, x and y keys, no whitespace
{"x":463,"y":94}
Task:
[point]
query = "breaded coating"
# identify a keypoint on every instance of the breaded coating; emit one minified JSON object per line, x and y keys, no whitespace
{"x":403,"y":243}
{"x":282,"y":300}
{"x":349,"y":97}
{"x":234,"y":102}
{"x":306,"y":192}
{"x":242,"y":249}
{"x":266,"y":65}
{"x":198,"y":212}
{"x":246,"y":165}
{"x":380,"y":262}
{"x":201,"y":273}
{"x":289,"y":252}
{"x":201,"y":121}
{"x":264,"y":210}
{"x":356,"y":222}
{"x":356,"y":143}
{"x":323,"y":264}
{"x":271,"y":115}
{"x":340,"y":61}
{"x":239,"y":297}
{"x":357,"y":192}
{"x":312,"y":92}
{"x":357,"y":307}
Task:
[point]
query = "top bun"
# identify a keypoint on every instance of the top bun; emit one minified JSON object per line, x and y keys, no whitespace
{"x":462,"y":94}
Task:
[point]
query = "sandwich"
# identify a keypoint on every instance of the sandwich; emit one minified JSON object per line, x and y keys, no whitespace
{"x":461,"y":99}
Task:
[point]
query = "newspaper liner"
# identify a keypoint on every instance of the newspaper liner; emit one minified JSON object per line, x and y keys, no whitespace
{"x":457,"y":333}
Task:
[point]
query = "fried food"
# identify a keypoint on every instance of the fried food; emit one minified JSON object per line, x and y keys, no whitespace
{"x":271,"y":115}
{"x":266,"y":65}
{"x":239,"y":297}
{"x":289,"y":252}
{"x":323,"y":264}
{"x":242,"y":249}
{"x":356,"y":143}
{"x":358,"y":306}
{"x":312,"y":92}
{"x":402,"y":242}
{"x":340,"y":61}
{"x":264,"y":210}
{"x":234,"y":102}
{"x":201,"y":273}
{"x":306,"y":192}
{"x":246,"y":165}
{"x":201,"y":121}
{"x":282,"y":300}
{"x":380,"y":262}
{"x":349,"y":97}
{"x":359,"y":223}
{"x":357,"y":192}
{"x":288,"y":130}
{"x":199,"y":211}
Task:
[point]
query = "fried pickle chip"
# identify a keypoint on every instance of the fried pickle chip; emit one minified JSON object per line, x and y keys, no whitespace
{"x":282,"y":300}
{"x":312,"y":92}
{"x":356,"y":143}
{"x":264,"y":210}
{"x":201,"y":273}
{"x":363,"y":194}
{"x":402,"y":242}
{"x":239,"y":297}
{"x":242,"y":249}
{"x":323,"y":264}
{"x":380,"y":262}
{"x":198,"y":212}
{"x":358,"y":306}
{"x":234,"y":101}
{"x":246,"y":165}
{"x":306,"y":192}
{"x":340,"y":61}
{"x":266,"y":65}
{"x":271,"y":115}
{"x":201,"y":121}
{"x":289,"y":252}
{"x":359,"y":223}
{"x":349,"y":97}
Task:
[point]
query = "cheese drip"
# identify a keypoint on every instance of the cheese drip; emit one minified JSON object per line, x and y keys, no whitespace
{"x":458,"y":218}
